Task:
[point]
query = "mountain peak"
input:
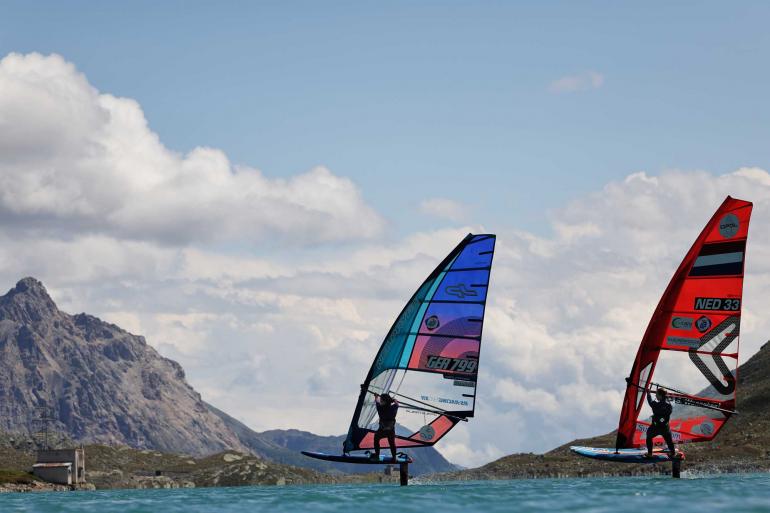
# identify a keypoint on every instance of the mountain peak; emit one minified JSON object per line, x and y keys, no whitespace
{"x":98,"y":382}
{"x":28,"y":301}
{"x":31,"y":285}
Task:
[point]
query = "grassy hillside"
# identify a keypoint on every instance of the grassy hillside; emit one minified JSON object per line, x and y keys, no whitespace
{"x":123,"y":467}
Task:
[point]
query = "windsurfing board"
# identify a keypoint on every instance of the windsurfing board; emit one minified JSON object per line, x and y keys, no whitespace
{"x":360,"y":458}
{"x":625,"y":455}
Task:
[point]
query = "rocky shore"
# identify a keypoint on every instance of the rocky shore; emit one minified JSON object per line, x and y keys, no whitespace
{"x":127,"y":468}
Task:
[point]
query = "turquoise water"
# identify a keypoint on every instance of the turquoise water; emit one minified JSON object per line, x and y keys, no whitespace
{"x":733,"y":493}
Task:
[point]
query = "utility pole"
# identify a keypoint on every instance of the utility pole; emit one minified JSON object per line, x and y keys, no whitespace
{"x":45,"y":416}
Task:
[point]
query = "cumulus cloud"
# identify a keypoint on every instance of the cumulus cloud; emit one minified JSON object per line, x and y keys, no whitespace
{"x":76,"y":160}
{"x":444,"y":208}
{"x":535,"y":399}
{"x":578,"y":82}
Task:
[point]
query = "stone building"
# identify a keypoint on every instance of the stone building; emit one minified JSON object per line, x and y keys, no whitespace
{"x":61,"y":466}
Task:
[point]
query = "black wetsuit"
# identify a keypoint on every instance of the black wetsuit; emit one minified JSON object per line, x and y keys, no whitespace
{"x":661,"y":412}
{"x":387,"y":413}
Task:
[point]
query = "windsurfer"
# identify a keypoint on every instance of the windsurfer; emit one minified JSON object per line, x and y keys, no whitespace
{"x":387,"y":408}
{"x":661,"y":412}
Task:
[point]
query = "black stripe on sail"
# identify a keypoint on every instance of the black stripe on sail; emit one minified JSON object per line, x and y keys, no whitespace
{"x":732,"y":269}
{"x":718,"y":248}
{"x":720,"y":259}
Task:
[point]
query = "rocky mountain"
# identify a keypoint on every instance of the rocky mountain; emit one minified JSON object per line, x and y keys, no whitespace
{"x":742,"y":445}
{"x":97,"y":382}
{"x":102,"y":385}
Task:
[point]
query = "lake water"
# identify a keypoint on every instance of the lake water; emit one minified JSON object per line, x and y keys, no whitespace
{"x":728,"y":493}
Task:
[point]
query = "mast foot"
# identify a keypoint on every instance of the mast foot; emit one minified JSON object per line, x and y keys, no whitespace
{"x":403,"y":471}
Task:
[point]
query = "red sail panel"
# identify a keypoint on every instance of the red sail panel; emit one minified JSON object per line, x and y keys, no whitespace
{"x":436,"y":428}
{"x":690,"y":346}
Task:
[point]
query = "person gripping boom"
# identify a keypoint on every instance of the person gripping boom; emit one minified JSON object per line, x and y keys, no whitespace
{"x":661,"y":413}
{"x":387,"y":409}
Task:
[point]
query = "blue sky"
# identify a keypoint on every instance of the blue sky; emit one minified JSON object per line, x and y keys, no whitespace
{"x":242,"y":181}
{"x":447,"y":99}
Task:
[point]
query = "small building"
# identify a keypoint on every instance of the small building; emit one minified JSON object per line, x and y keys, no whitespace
{"x":59,"y":473}
{"x":61,"y":466}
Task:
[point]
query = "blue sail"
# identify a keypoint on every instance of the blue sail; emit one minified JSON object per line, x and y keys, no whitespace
{"x":430,"y":358}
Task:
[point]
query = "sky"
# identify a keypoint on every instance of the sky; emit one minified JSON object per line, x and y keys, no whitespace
{"x":244,"y":181}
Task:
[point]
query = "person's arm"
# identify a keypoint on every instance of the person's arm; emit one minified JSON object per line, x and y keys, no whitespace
{"x":377,"y":398}
{"x":649,"y":398}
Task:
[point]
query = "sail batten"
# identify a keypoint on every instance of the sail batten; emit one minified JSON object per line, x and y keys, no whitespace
{"x":431,"y":353}
{"x":691,"y":342}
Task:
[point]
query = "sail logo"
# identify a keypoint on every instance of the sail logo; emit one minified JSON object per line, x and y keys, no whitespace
{"x":427,"y":433}
{"x":728,"y":226}
{"x":683,"y":341}
{"x":642,"y":430}
{"x":444,"y":400}
{"x":460,"y":290}
{"x":715,"y":343}
{"x":717,"y":303}
{"x":681,"y":323}
{"x":432,"y":322}
{"x":703,"y":324}
{"x":451,"y":364}
{"x":706,"y":428}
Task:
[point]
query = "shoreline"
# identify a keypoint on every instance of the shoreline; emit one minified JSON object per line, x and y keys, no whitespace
{"x":167,"y":483}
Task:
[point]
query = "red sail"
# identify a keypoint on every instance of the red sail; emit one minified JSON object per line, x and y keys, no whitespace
{"x":691,"y":344}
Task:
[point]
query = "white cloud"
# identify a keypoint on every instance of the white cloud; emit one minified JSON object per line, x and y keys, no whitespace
{"x":80,"y":161}
{"x":444,"y":208}
{"x":578,"y":82}
{"x":461,"y":449}
{"x":535,"y":399}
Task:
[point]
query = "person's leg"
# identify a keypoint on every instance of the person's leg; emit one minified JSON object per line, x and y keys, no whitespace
{"x":650,"y":436}
{"x":669,"y":442}
{"x":377,"y":437}
{"x":392,"y":442}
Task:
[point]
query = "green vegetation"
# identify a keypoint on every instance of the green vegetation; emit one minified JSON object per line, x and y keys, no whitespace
{"x":16,"y":477}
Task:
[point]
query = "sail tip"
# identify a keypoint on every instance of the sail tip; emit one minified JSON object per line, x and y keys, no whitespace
{"x":738,"y":201}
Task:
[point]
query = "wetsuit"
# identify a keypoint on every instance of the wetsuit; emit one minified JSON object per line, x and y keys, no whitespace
{"x":661,"y":412}
{"x":387,"y":413}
